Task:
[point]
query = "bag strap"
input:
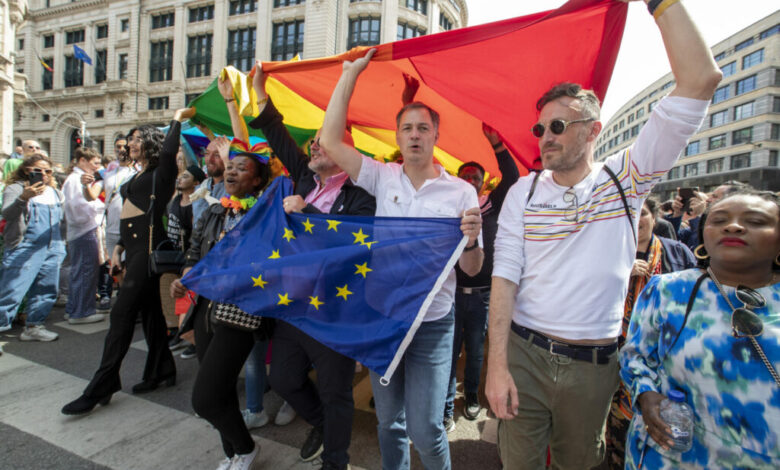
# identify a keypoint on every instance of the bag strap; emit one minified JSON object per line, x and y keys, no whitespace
{"x":623,"y":198}
{"x":688,"y":308}
{"x":150,"y":212}
{"x":533,"y":187}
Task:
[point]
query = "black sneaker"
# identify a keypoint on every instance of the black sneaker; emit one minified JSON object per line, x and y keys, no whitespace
{"x":312,"y":448}
{"x":332,"y":466}
{"x":471,"y":407}
{"x":189,"y":352}
{"x":449,"y":424}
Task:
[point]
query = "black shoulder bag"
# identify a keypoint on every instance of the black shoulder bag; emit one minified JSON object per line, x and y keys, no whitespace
{"x":162,"y":261}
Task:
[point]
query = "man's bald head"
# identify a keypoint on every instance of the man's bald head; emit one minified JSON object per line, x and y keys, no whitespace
{"x":29,"y":147}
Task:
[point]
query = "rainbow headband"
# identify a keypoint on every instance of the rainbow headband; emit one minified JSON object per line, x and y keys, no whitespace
{"x":261,"y":150}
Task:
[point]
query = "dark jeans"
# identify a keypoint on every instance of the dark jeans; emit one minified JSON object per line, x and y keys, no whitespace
{"x":330,"y":403}
{"x":471,"y":316}
{"x":214,"y":396}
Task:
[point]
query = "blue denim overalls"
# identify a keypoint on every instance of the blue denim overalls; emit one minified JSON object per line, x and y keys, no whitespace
{"x":32,"y":267}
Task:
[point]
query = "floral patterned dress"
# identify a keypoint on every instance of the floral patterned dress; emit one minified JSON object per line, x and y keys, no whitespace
{"x":735,"y":401}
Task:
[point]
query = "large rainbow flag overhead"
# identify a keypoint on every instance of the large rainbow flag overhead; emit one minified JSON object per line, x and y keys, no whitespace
{"x":491,"y":73}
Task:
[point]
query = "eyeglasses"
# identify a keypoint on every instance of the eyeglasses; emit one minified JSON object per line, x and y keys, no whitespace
{"x":557,"y":126}
{"x":570,"y":197}
{"x":745,"y":322}
{"x":40,"y":170}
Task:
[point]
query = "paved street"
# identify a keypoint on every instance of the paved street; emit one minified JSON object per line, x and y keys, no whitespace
{"x":159,"y":429}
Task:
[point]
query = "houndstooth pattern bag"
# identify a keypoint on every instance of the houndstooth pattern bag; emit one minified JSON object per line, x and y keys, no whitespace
{"x":231,"y":315}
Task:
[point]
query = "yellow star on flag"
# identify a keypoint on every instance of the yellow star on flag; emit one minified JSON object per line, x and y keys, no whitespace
{"x":360,"y":237}
{"x":333,"y":225}
{"x":284,"y":299}
{"x":343,"y":291}
{"x":274,"y":255}
{"x":307,"y":226}
{"x":368,"y":244}
{"x":259,"y":282}
{"x":288,"y":235}
{"x":363,"y":269}
{"x":314,"y":301}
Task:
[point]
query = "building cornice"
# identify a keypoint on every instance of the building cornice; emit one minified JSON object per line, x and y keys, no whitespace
{"x":65,"y":8}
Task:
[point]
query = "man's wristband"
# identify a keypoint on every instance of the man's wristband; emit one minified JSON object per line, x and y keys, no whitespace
{"x":661,"y":7}
{"x":469,"y":248}
{"x":652,"y":5}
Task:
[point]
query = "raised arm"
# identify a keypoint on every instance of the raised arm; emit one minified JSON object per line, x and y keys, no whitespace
{"x":343,"y":154}
{"x":695,"y":72}
{"x":506,"y":165}
{"x":236,"y":121}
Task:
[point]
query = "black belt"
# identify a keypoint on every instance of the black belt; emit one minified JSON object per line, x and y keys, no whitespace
{"x":574,"y":351}
{"x":472,"y":290}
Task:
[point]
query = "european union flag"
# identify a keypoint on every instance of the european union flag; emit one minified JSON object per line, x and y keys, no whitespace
{"x":359,"y":285}
{"x":81,"y":54}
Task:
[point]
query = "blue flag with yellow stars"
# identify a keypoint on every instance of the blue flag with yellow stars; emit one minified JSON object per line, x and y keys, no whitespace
{"x":359,"y":285}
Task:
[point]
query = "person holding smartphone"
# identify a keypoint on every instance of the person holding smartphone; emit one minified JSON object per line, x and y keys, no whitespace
{"x":34,"y":249}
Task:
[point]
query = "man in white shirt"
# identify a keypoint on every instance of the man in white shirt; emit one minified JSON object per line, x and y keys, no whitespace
{"x":563,"y":256}
{"x":411,"y":405}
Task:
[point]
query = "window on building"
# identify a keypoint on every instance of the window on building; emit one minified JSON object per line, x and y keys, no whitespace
{"x":74,"y":71}
{"x":618,"y":139}
{"x":774,"y":134}
{"x":47,"y":79}
{"x":691,"y":169}
{"x":241,"y":7}
{"x":720,"y":56}
{"x":740,"y":161}
{"x":45,"y":118}
{"x":189,"y":97}
{"x":743,"y":111}
{"x":101,"y":31}
{"x":754,"y":58}
{"x":674,"y":173}
{"x":158,"y":102}
{"x":48,"y":41}
{"x":615,"y":128}
{"x":122,"y":67}
{"x":715,"y":165}
{"x":124,"y":25}
{"x":164,"y":20}
{"x":287,"y":40}
{"x":199,"y":55}
{"x":651,"y":106}
{"x":719,"y":118}
{"x":420,"y":6}
{"x":777,"y":77}
{"x":20,"y":44}
{"x":444,"y":22}
{"x":770,"y":32}
{"x":406,"y":31}
{"x":746,"y":84}
{"x":630,"y":118}
{"x":776,"y":104}
{"x":100,"y":66}
{"x":640,"y":112}
{"x":742,"y":136}
{"x":773,"y":158}
{"x":692,"y":148}
{"x":626,"y":134}
{"x":729,"y":69}
{"x":287,"y":3}
{"x":73,"y":37}
{"x":668,"y":84}
{"x":743,"y":44}
{"x":621,"y":124}
{"x":721,"y":94}
{"x":98,"y":113}
{"x":241,"y":48}
{"x":161,"y":61}
{"x":717,"y":141}
{"x":635,"y":131}
{"x":203,"y":13}
{"x":363,"y":32}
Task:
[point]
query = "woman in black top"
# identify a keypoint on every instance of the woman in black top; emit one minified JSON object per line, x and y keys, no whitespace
{"x":144,"y":200}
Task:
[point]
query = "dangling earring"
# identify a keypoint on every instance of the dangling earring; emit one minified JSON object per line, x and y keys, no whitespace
{"x":701,"y":253}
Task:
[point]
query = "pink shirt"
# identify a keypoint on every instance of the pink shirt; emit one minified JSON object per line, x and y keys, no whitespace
{"x":324,"y":195}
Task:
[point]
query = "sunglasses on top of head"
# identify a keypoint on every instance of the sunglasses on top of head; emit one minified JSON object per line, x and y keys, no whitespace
{"x":557,"y":126}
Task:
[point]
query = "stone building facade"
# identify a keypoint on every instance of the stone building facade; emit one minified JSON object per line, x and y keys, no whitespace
{"x":12,"y":82}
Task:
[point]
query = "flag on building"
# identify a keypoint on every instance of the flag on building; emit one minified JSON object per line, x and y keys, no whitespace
{"x":81,"y":55}
{"x":45,"y":65}
{"x":359,"y":285}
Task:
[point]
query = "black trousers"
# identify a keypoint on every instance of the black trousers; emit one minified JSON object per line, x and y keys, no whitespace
{"x":330,"y":403}
{"x":214,"y":396}
{"x":140,"y":293}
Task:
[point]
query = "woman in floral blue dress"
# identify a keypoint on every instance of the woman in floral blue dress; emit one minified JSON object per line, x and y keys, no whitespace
{"x":723,"y":354}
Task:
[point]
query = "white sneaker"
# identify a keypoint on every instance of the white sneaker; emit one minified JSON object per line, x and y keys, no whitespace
{"x":245,"y":461}
{"x":5,"y":328}
{"x":254,"y":420}
{"x":225,"y":464}
{"x":37,"y":333}
{"x":285,"y":415}
{"x":94,"y":318}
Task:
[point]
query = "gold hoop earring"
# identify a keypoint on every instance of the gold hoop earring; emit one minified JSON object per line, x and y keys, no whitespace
{"x":777,"y":259}
{"x":697,"y":252}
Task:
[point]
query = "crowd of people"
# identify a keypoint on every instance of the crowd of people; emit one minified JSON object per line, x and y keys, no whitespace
{"x":598,"y":299}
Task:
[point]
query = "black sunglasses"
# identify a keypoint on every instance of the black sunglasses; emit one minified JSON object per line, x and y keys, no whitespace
{"x":745,"y":322}
{"x":39,"y":170}
{"x":557,"y":126}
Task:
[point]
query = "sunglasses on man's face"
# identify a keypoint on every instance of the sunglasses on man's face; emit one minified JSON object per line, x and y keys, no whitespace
{"x":745,"y":322}
{"x":557,"y":126}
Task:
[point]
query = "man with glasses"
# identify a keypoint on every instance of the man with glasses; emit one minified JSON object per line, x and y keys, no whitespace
{"x":563,"y":255}
{"x":29,"y":147}
{"x":320,"y":187}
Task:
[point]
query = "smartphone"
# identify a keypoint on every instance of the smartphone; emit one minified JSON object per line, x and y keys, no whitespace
{"x":686,"y":194}
{"x":35,"y":177}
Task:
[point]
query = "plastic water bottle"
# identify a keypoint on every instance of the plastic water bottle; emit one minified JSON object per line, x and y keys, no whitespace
{"x":679,"y":416}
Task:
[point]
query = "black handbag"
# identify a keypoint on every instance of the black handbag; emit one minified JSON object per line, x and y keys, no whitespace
{"x":163,"y":261}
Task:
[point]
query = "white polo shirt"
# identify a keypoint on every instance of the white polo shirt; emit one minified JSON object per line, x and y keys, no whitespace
{"x":443,"y":196}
